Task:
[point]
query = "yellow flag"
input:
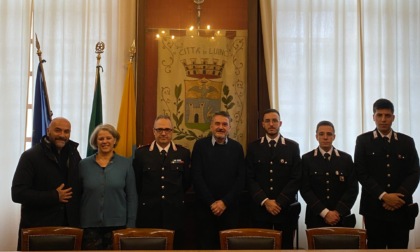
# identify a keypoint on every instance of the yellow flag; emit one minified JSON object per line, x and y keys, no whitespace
{"x":127,"y":118}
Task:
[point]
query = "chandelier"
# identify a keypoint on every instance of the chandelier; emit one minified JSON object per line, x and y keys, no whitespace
{"x":192,"y":31}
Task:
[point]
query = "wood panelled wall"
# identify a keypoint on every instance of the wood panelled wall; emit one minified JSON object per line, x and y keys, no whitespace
{"x":181,"y":14}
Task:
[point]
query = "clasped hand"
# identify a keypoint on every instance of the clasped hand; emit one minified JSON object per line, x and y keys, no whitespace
{"x":272,"y":207}
{"x":218,"y":207}
{"x":332,"y":218}
{"x":393,"y":201}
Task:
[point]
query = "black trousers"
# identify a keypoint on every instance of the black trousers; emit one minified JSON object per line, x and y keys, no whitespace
{"x":288,"y":232}
{"x":384,"y":234}
{"x":209,"y":225}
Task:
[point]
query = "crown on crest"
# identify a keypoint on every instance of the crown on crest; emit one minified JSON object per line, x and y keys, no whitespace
{"x":204,"y":68}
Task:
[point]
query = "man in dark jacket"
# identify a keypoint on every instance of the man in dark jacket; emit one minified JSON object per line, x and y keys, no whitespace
{"x":218,"y":167}
{"x":387,"y":166}
{"x":273,"y":179}
{"x":162,"y":176}
{"x":46,"y":180}
{"x":329,"y":184}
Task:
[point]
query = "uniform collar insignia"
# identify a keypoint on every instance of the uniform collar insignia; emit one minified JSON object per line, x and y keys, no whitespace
{"x":334,"y":150}
{"x":152,"y":146}
{"x":282,"y":140}
{"x":376,"y":134}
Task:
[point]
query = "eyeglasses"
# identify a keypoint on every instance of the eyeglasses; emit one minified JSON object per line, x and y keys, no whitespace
{"x":161,"y":130}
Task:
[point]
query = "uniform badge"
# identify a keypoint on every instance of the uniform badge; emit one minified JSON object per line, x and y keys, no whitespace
{"x":341,"y":177}
{"x":177,"y":161}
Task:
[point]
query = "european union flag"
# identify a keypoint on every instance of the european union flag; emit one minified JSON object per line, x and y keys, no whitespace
{"x":41,"y":119}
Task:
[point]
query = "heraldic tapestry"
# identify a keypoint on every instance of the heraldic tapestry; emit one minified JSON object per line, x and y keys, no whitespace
{"x":198,"y":76}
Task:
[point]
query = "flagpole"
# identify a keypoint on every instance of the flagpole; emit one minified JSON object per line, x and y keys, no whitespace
{"x":41,"y":65}
{"x":96,"y":115}
{"x":132,"y":50}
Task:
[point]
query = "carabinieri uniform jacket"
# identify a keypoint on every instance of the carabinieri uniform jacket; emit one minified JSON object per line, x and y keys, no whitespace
{"x":382,"y":166}
{"x":274,"y":175}
{"x":328,"y":183}
{"x":161,"y":185}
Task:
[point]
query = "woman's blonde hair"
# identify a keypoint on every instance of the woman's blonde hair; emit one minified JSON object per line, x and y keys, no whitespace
{"x":108,"y":127}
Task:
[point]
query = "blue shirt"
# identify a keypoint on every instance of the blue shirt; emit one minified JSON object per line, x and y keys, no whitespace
{"x":109,"y":196}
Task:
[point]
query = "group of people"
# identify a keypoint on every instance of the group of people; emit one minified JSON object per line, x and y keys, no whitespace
{"x":105,"y":191}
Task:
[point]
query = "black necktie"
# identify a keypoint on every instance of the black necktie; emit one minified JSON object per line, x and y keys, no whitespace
{"x":327,"y":156}
{"x":272,"y":143}
{"x":387,"y":144}
{"x":163,"y":155}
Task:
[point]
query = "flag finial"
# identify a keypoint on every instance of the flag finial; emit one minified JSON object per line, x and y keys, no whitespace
{"x":38,"y":47}
{"x":44,"y":82}
{"x":100,"y":48}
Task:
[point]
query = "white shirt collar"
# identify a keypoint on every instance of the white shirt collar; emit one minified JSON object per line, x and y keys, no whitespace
{"x":323,"y":152}
{"x":337,"y":154}
{"x":389,"y":135}
{"x":213,"y":140}
{"x":166,"y":148}
{"x":275,"y":139}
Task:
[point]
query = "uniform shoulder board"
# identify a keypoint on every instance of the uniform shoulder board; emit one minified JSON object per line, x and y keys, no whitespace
{"x":143,"y":146}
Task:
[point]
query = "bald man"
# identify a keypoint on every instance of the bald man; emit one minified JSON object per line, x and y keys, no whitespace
{"x":46,"y":180}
